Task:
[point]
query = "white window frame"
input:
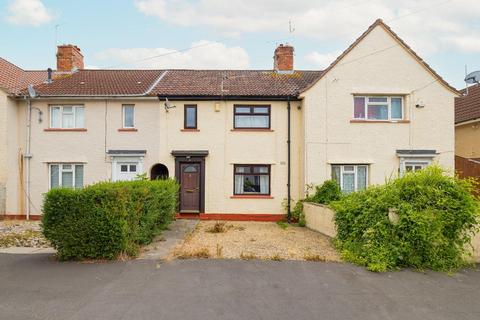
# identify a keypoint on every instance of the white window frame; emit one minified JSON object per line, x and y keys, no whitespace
{"x":124,"y":118}
{"x":117,"y":161}
{"x":389,"y":104}
{"x":74,"y":110}
{"x":61,"y":170}
{"x":355,"y":173}
{"x":415,"y":161}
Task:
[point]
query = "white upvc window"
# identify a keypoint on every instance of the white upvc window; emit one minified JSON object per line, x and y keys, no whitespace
{"x":128,"y":116}
{"x":350,"y":177}
{"x":389,"y":108}
{"x":66,"y":175}
{"x":67,"y":117}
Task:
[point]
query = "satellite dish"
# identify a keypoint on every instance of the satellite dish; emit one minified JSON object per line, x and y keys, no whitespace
{"x":31,"y":91}
{"x":473,"y":77}
{"x":168,"y":105}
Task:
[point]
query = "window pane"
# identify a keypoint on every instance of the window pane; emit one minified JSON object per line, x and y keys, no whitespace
{"x":348,"y":168}
{"x":260,"y":169}
{"x":378,"y":112}
{"x":133,"y":168}
{"x":66,"y":167}
{"x":361,"y":177}
{"x":377,"y":99}
{"x":336,"y":173}
{"x":190,"y":117}
{"x":397,"y":108}
{"x":128,"y":116}
{"x":359,"y":108}
{"x":260,"y":110}
{"x":124,"y":168}
{"x":252,"y":122}
{"x":67,"y":120}
{"x":54,"y":183}
{"x":55,"y":118}
{"x":241,"y":169}
{"x":68,"y":109}
{"x":79,"y":117}
{"x":67,"y":179}
{"x":264,"y":184}
{"x":242,"y":109}
{"x":348,"y":182}
{"x":79,"y":176}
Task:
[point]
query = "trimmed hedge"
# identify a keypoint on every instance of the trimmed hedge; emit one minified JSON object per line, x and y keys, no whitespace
{"x":105,"y":220}
{"x":422,"y":220}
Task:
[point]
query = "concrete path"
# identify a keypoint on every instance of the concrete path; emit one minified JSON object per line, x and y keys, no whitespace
{"x":38,"y":287}
{"x":26,"y":250}
{"x":163,"y":245}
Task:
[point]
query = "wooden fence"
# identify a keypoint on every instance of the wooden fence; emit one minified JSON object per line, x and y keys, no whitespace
{"x":468,"y":168}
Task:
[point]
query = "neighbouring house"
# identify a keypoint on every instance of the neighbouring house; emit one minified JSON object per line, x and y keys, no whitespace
{"x":467,"y":132}
{"x":240,"y":142}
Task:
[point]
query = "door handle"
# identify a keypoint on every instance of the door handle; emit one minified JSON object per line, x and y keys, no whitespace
{"x":191,"y":190}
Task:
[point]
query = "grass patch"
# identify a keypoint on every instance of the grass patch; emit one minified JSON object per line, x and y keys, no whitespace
{"x":202,"y":253}
{"x":313,"y":257}
{"x":248,"y":256}
{"x":282,"y":224}
{"x":276,"y":257}
{"x":19,"y":239}
{"x":218,"y":227}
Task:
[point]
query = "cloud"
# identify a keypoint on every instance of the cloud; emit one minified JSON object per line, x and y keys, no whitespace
{"x":429,"y":25}
{"x":203,"y":55}
{"x":28,"y":12}
{"x":322,"y":60}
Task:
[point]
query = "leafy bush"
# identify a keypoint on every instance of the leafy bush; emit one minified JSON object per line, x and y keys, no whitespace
{"x":329,"y":191}
{"x":107,"y":219}
{"x":432,"y":219}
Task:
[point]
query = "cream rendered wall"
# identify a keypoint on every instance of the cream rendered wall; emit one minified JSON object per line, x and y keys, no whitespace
{"x":377,"y":65}
{"x":467,"y":140}
{"x":3,"y":149}
{"x":159,"y":133}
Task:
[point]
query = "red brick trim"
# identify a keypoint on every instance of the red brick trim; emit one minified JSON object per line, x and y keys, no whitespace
{"x":66,"y":130}
{"x":34,"y":217}
{"x":190,"y":130}
{"x":253,"y":130}
{"x":251,"y":197}
{"x":233,"y":216}
{"x":127,"y":130}
{"x":379,"y":121}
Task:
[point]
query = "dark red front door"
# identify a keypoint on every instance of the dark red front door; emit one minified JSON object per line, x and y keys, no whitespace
{"x":190,"y":187}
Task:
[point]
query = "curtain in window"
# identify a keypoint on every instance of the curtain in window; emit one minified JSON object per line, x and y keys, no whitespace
{"x":361,"y":177}
{"x":397,"y":108}
{"x":251,"y":121}
{"x":239,"y":183}
{"x":67,"y":118}
{"x":378,"y":112}
{"x":336,"y":173}
{"x":55,"y":118}
{"x":79,"y":117}
{"x":128,"y":113}
{"x":348,"y":182}
{"x":54,"y":182}
{"x":264,"y":184}
{"x":359,"y":108}
{"x":78,"y":176}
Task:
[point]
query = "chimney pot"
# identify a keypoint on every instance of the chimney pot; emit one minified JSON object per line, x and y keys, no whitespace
{"x":69,"y":58}
{"x":283,"y":58}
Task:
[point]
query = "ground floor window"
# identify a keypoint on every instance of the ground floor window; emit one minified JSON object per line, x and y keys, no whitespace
{"x":66,"y":175}
{"x":350,"y":177}
{"x":414,"y":166}
{"x":252,"y":179}
{"x":127,"y":171}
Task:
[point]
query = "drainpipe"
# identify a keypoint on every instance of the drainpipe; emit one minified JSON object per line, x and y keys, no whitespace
{"x":28,"y":156}
{"x":289,"y":197}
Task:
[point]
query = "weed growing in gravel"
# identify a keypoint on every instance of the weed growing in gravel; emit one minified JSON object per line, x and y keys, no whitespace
{"x":202,"y":253}
{"x":248,"y":256}
{"x":276,"y":257}
{"x":219,"y":251}
{"x":282,"y":224}
{"x":313,"y":257}
{"x":218,"y":227}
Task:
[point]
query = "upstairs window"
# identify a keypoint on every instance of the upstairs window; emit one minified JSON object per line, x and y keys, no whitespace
{"x":67,"y":117}
{"x":252,"y":179}
{"x":128,"y":111}
{"x":66,"y":175}
{"x":378,"y":108}
{"x":190,"y":117}
{"x":251,"y":117}
{"x":350,"y":177}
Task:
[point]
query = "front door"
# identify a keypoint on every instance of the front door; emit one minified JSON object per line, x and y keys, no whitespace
{"x":190,"y":187}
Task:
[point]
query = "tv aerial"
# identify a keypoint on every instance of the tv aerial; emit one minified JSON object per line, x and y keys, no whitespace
{"x":472,"y":77}
{"x":168,"y":105}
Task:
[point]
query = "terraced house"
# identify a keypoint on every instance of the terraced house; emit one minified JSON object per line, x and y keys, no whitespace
{"x":240,"y":142}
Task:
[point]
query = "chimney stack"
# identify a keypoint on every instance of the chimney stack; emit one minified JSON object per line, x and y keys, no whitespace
{"x":69,"y":58}
{"x":283,"y":59}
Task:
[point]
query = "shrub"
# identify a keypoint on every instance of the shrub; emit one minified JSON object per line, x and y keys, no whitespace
{"x":107,"y":219}
{"x":329,"y":191}
{"x":432,"y":219}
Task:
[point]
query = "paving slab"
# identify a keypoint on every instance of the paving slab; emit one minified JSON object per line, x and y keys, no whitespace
{"x":163,"y":245}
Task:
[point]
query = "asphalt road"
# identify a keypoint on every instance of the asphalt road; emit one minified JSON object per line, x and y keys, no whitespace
{"x":37,"y":287}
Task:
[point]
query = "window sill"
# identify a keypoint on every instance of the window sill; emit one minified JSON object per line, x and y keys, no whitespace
{"x":190,"y":130}
{"x":253,"y":130}
{"x":67,"y":130}
{"x":379,"y":121}
{"x":127,"y":130}
{"x":251,"y":197}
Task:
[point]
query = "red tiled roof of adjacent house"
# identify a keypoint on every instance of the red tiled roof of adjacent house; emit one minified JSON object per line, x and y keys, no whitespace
{"x":467,"y":107}
{"x":179,"y":83}
{"x":14,"y":79}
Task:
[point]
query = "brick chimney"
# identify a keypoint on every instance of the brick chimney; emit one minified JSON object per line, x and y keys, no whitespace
{"x":69,"y":58}
{"x":283,"y":58}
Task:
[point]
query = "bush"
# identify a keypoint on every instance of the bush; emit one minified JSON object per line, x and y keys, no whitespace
{"x":432,"y":219}
{"x":107,"y":219}
{"x":329,"y":191}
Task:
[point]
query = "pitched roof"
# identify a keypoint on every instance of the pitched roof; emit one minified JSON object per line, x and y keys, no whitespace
{"x":467,"y":107}
{"x":379,"y":22}
{"x":179,"y":83}
{"x":14,"y":79}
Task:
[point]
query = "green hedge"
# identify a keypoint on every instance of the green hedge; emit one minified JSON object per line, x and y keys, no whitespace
{"x":107,"y":219}
{"x":432,"y":218}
